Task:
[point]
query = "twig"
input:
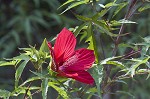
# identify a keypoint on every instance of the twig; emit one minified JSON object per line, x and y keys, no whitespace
{"x":34,"y":93}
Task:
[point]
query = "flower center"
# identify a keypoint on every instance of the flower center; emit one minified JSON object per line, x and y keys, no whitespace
{"x":72,"y":60}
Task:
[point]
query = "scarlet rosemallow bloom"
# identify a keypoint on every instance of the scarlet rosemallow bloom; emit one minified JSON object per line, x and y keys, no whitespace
{"x":67,"y":61}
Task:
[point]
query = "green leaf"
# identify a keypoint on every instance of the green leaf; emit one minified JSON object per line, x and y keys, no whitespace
{"x":83,"y":18}
{"x":136,"y":65}
{"x":143,"y":71}
{"x":84,"y":35}
{"x":21,"y":57}
{"x":101,"y":5}
{"x":19,"y":71}
{"x":111,"y":4}
{"x":126,"y":93}
{"x":59,"y":90}
{"x":145,"y":7}
{"x":4,"y":94}
{"x":44,"y":88}
{"x":92,"y":40}
{"x":44,"y":46}
{"x":100,"y":14}
{"x":35,"y":53}
{"x":74,"y":5}
{"x":37,"y":74}
{"x":10,"y":63}
{"x":78,"y":30}
{"x":67,"y":2}
{"x":29,"y":80}
{"x":123,"y":21}
{"x":18,"y":91}
{"x":98,"y":75}
{"x":98,"y":24}
{"x":119,"y":8}
{"x":128,"y":46}
{"x":115,"y":63}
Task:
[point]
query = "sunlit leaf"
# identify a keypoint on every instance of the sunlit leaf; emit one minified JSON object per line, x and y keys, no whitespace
{"x":60,"y":91}
{"x":4,"y":94}
{"x":67,"y":2}
{"x":21,"y":57}
{"x":98,"y":75}
{"x":83,"y":35}
{"x":10,"y":63}
{"x":74,"y":5}
{"x":133,"y":68}
{"x":125,"y":21}
{"x":92,"y":41}
{"x":30,"y":80}
{"x":44,"y":88}
{"x":44,"y":46}
{"x":78,"y":30}
{"x":115,"y":63}
{"x":101,"y":5}
{"x":111,"y":4}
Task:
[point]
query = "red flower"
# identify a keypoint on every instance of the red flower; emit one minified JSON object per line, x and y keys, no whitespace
{"x":67,"y":61}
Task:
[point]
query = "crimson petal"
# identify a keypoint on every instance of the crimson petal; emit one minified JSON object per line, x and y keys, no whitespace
{"x":64,"y":45}
{"x":82,"y":76}
{"x":81,"y":60}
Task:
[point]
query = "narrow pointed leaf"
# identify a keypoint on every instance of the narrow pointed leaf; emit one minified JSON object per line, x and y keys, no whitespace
{"x":115,"y":63}
{"x":60,"y":91}
{"x":19,"y":71}
{"x":98,"y":75}
{"x":100,"y":14}
{"x":74,"y":5}
{"x":44,"y":47}
{"x":92,"y":40}
{"x":119,"y":8}
{"x":30,"y":80}
{"x":44,"y":88}
{"x":10,"y":63}
{"x":67,"y":2}
{"x":77,"y":31}
{"x":83,"y":18}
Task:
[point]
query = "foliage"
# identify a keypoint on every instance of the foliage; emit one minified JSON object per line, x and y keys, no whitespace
{"x":122,"y":52}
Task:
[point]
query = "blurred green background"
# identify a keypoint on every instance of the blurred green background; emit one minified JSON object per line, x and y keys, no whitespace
{"x":28,"y":22}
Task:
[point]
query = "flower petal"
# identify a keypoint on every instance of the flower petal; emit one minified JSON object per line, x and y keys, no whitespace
{"x":64,"y":45}
{"x":81,"y":60}
{"x":82,"y":76}
{"x":85,"y":77}
{"x":53,"y":63}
